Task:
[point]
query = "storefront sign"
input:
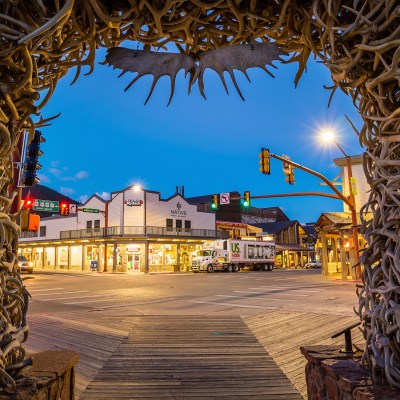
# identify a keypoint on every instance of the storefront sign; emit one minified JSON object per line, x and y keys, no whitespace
{"x":45,"y":205}
{"x":310,"y":240}
{"x":133,"y":202}
{"x":91,"y":210}
{"x":133,"y":248}
{"x":178,"y":212}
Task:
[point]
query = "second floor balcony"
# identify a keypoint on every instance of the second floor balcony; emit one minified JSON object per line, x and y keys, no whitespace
{"x":133,"y":231}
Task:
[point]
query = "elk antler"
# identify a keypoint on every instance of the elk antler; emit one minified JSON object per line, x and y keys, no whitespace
{"x":146,"y":62}
{"x":240,"y":57}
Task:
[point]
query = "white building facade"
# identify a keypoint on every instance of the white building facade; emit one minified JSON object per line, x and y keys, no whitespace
{"x":134,"y":231}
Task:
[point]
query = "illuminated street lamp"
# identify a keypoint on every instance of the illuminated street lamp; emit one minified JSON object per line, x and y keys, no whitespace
{"x":328,"y":136}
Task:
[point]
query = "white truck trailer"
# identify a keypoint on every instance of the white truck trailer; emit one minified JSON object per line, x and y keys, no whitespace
{"x":232,"y":255}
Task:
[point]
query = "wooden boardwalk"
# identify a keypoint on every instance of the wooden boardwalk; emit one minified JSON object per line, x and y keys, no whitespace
{"x":190,"y":357}
{"x":283,"y":333}
{"x":187,"y":357}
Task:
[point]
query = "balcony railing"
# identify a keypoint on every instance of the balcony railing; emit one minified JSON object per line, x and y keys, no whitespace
{"x":152,"y":231}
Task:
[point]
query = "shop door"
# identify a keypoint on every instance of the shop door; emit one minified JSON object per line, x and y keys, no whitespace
{"x":133,"y":262}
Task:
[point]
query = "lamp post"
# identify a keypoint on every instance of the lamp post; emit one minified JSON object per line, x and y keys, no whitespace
{"x":328,"y":136}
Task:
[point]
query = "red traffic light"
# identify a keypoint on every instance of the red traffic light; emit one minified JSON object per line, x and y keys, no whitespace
{"x":64,"y":208}
{"x":28,"y":203}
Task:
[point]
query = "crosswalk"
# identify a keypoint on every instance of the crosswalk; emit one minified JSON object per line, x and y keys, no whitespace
{"x":266,"y":297}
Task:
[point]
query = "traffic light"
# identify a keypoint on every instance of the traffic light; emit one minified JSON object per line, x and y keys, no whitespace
{"x":265,"y":161}
{"x":215,"y":202}
{"x":28,"y":203}
{"x":29,"y":222}
{"x":288,"y":170}
{"x":64,"y":208}
{"x":31,"y":165}
{"x":246,"y":199}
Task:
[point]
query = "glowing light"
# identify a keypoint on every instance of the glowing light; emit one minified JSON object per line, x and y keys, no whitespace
{"x":328,"y":135}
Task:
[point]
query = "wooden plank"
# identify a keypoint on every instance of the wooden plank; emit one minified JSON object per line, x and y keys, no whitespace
{"x":283,"y":333}
{"x":190,"y":357}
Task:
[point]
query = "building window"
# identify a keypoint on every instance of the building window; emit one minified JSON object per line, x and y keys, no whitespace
{"x":97,"y":223}
{"x":178,"y":224}
{"x":89,"y":225}
{"x":42,"y":231}
{"x":188,"y":225}
{"x":170,"y":224}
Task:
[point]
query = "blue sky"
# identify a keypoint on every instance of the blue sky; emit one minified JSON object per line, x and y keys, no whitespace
{"x":106,"y":139}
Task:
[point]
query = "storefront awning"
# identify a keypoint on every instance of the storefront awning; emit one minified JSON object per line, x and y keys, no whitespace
{"x":291,"y":247}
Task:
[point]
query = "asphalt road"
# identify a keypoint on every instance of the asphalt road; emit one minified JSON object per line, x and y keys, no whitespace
{"x":243,"y":293}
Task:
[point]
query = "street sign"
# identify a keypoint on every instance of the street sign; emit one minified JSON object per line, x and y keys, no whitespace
{"x":45,"y":205}
{"x":72,"y":208}
{"x":225,"y":198}
{"x":91,"y":210}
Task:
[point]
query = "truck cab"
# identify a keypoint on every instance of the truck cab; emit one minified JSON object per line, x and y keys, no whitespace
{"x":208,"y":259}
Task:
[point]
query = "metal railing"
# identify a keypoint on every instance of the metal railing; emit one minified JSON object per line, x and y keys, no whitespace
{"x":143,"y":231}
{"x":29,"y":234}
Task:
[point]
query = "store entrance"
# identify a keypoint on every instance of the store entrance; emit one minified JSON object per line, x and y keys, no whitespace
{"x":133,"y":262}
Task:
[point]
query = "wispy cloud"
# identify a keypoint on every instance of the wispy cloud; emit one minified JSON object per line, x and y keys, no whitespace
{"x":82,"y":175}
{"x":104,"y":195}
{"x":55,"y":171}
{"x":43,"y":178}
{"x":66,"y":191}
{"x":60,"y":173}
{"x":83,"y":199}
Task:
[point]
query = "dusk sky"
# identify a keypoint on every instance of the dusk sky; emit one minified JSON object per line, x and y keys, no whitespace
{"x":106,"y":139}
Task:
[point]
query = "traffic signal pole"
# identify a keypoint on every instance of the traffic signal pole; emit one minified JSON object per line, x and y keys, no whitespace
{"x":317,"y":174}
{"x":350,"y":201}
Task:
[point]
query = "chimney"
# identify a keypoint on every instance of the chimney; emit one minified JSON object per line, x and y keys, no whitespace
{"x":176,"y":189}
{"x":183,"y":191}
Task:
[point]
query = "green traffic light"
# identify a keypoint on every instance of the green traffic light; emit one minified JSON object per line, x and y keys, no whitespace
{"x":245,"y":204}
{"x":213,"y":206}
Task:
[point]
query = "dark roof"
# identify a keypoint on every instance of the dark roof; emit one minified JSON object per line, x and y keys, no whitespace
{"x":310,"y":229}
{"x":275,"y":227}
{"x":279,"y":214}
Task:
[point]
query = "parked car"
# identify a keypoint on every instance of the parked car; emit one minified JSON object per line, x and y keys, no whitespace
{"x":24,"y":265}
{"x":314,"y":264}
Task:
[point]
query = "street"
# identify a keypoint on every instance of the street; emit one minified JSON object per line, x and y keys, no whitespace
{"x":243,"y":293}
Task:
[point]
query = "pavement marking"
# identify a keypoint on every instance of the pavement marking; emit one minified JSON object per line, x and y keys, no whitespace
{"x":292,"y":289}
{"x":57,"y":293}
{"x":291,"y":294}
{"x":76,"y":297}
{"x":247,"y":297}
{"x":45,"y":290}
{"x":96,"y":301}
{"x":233,"y":305}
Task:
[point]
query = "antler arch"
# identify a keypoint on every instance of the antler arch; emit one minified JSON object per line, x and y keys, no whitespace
{"x":357,"y":41}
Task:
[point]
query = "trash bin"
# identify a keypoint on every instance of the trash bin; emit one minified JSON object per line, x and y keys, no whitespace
{"x":93,"y":265}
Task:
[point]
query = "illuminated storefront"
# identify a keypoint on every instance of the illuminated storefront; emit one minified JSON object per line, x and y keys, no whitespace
{"x":134,"y":231}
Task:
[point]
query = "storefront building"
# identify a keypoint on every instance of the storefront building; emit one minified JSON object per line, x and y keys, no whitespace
{"x":134,"y":231}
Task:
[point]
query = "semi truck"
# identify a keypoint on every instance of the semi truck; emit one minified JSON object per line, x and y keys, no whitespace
{"x":232,"y":255}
